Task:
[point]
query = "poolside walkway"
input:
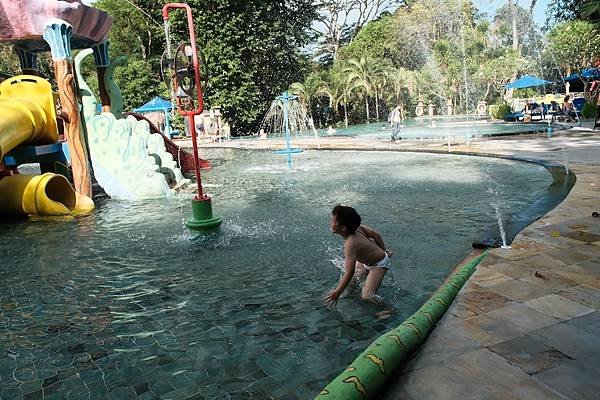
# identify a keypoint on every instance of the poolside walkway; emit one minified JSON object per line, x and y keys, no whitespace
{"x":527,"y":324}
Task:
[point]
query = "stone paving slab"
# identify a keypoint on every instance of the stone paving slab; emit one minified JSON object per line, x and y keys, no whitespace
{"x":558,"y":307}
{"x":529,"y":354}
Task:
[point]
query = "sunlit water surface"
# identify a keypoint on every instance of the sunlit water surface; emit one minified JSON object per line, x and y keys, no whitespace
{"x":127,"y":302}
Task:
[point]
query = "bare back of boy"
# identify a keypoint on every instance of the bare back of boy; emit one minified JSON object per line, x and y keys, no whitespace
{"x":368,"y":252}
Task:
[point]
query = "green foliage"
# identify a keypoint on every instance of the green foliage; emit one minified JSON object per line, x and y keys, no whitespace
{"x":9,"y":63}
{"x":137,"y":29}
{"x":252,"y":49}
{"x":138,"y":83}
{"x":561,"y":10}
{"x":498,"y":111}
{"x":525,"y":92}
{"x":574,"y":44}
{"x":494,"y":73}
{"x":589,"y":110}
{"x":375,"y":40}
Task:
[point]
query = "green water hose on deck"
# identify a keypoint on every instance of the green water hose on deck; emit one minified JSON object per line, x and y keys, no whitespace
{"x":369,"y":371}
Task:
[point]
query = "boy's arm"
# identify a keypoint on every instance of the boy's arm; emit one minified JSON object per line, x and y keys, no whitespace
{"x":373,"y":234}
{"x":349,"y":267}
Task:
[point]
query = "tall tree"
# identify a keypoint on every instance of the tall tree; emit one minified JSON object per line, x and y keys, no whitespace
{"x":376,"y":39}
{"x":313,"y":86}
{"x":342,"y":19}
{"x":575,"y":46}
{"x":252,"y":48}
{"x":528,"y":39}
{"x":364,"y":74}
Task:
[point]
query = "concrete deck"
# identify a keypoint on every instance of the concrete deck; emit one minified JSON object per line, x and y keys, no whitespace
{"x":527,"y":324}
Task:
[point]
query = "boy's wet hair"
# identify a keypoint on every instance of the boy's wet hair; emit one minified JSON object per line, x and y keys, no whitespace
{"x":347,"y":216}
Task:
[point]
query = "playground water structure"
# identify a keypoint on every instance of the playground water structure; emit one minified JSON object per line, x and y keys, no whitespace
{"x":137,"y":305}
{"x":128,"y":161}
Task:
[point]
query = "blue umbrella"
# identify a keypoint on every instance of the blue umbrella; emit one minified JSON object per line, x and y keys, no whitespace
{"x":526,"y":81}
{"x":158,"y":104}
{"x":588,"y":73}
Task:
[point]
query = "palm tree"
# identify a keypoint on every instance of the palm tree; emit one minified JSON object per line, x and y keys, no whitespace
{"x":401,"y":79}
{"x":380,"y":82}
{"x":363,"y":74}
{"x":341,"y":90}
{"x":313,"y":86}
{"x":590,"y":10}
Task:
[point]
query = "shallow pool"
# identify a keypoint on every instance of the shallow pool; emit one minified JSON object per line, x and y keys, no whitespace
{"x":430,"y":128}
{"x":128,"y":302}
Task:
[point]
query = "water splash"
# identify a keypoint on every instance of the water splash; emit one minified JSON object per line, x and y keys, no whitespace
{"x":496,"y":196}
{"x":299,"y":122}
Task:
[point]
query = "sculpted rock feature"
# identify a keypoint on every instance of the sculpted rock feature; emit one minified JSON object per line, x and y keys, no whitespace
{"x":90,"y":25}
{"x":129,"y":162}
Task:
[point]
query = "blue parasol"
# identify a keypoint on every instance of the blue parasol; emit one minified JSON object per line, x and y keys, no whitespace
{"x":526,"y":81}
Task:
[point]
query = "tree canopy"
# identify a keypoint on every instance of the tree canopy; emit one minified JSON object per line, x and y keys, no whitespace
{"x":252,"y":49}
{"x":370,"y":55}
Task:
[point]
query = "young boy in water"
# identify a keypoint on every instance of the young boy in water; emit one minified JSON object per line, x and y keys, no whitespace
{"x":364,"y":253}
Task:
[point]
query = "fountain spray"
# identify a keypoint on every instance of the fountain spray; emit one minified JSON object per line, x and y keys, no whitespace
{"x":273,"y":119}
{"x":184,"y":69}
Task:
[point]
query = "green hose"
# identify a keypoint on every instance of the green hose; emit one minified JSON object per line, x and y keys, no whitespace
{"x":369,"y":371}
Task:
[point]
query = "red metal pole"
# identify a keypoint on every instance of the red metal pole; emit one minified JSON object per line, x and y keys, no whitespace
{"x":200,"y":108}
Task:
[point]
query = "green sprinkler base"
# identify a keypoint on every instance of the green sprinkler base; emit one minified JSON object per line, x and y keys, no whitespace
{"x":202,"y":216}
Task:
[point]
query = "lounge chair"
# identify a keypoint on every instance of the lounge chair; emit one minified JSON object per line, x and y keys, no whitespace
{"x":578,"y":105}
{"x":538,"y":110}
{"x":555,"y":112}
{"x":514,"y":117}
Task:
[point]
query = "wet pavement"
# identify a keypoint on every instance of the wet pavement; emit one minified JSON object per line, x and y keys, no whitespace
{"x":527,"y":323}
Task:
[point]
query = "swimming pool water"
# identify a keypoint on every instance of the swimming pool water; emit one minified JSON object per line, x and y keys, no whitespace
{"x":127,"y":303}
{"x":429,"y":128}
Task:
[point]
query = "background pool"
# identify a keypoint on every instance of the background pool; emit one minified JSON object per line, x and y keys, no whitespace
{"x":127,"y":302}
{"x":428,"y":128}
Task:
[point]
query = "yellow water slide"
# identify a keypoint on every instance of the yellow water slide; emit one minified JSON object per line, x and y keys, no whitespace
{"x":28,"y":116}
